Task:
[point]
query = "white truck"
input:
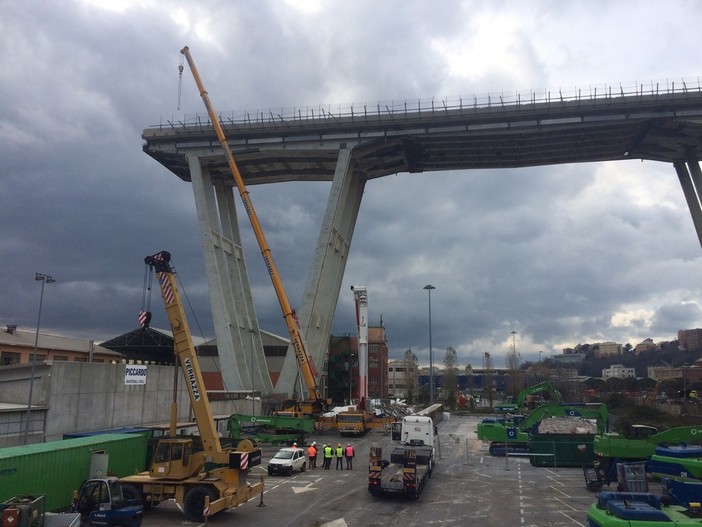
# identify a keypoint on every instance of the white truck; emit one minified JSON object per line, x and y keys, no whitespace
{"x":410,"y":464}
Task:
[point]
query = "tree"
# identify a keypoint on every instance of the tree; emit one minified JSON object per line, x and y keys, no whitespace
{"x":450,"y":377}
{"x":470,"y":380}
{"x":512,"y":360}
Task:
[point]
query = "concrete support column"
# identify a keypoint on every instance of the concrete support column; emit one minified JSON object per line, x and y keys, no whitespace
{"x":316,"y":312}
{"x":691,"y":186}
{"x":241,"y":358}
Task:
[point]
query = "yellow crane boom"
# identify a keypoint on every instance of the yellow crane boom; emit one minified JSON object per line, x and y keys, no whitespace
{"x":185,"y":352}
{"x":296,"y":339}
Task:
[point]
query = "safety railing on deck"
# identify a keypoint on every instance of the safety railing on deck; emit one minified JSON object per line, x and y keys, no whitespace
{"x":366,"y":111}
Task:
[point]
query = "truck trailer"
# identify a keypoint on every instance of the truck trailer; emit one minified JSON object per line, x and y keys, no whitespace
{"x":411,"y":463}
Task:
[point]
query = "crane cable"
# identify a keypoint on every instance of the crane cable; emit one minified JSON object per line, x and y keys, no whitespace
{"x":145,"y":313}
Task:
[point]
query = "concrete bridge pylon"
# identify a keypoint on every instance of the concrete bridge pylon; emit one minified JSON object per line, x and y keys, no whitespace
{"x":240,"y":348}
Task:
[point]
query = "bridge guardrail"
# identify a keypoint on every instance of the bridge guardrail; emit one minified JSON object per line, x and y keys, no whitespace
{"x":393,"y":108}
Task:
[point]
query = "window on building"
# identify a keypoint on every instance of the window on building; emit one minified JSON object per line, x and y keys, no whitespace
{"x":60,"y":357}
{"x":40,"y":357}
{"x":80,"y":359}
{"x":7,"y":358}
{"x":275,"y":351}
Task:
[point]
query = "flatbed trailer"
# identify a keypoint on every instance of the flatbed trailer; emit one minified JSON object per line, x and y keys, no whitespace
{"x":405,"y":474}
{"x":410,"y":464}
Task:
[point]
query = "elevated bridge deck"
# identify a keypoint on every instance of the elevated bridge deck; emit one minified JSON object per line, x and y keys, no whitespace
{"x":655,"y":124}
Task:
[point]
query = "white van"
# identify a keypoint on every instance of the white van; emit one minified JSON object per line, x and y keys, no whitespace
{"x":287,"y":460}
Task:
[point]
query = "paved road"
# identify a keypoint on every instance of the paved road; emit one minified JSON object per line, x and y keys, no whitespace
{"x":467,"y":488}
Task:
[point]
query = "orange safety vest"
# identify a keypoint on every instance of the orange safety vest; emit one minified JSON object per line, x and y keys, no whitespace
{"x":349,"y":451}
{"x":311,"y":452}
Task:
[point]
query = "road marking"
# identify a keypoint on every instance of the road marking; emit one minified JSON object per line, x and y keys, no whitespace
{"x":335,"y":523}
{"x":565,"y":504}
{"x":559,"y":490}
{"x":522,"y":518}
{"x":575,"y":522}
{"x":300,"y":490}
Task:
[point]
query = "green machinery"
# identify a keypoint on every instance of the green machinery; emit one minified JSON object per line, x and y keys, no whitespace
{"x":678,"y":506}
{"x":513,"y":433}
{"x":273,"y":429}
{"x":639,"y":444}
{"x":530,"y":398}
{"x":681,"y":462}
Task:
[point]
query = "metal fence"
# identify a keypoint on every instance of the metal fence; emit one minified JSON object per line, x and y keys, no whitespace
{"x":393,"y":108}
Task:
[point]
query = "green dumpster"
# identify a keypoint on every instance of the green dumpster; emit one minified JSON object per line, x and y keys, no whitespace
{"x":561,"y":450}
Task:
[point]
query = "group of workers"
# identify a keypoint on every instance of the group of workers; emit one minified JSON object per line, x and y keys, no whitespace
{"x":328,"y":452}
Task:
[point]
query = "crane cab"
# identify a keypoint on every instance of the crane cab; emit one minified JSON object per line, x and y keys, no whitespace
{"x":172,"y":459}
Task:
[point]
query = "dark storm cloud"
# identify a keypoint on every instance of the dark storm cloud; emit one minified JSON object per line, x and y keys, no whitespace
{"x":562,"y":255}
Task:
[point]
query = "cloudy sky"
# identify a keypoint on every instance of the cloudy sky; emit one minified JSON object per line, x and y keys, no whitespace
{"x":562,"y":255}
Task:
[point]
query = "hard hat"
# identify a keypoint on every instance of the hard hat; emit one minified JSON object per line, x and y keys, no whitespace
{"x":294,"y":444}
{"x":314,"y":442}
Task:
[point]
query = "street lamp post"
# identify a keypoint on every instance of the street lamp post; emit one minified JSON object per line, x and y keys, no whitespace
{"x":45,"y":279}
{"x":515,"y":365}
{"x":429,"y":288}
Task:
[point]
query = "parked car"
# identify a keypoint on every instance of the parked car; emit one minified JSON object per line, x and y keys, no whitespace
{"x":287,"y":460}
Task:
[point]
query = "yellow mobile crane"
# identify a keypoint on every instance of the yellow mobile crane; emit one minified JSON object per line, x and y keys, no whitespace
{"x":314,"y":405}
{"x":203,"y":481}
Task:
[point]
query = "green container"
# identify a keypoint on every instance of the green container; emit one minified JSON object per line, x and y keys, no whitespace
{"x":57,"y":468}
{"x":561,"y":450}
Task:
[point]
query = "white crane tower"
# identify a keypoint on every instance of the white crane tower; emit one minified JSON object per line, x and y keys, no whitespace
{"x":361,"y":297}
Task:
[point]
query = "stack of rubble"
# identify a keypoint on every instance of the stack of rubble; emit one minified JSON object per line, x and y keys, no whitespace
{"x":567,"y":425}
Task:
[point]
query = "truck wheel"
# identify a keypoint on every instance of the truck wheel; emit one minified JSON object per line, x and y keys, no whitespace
{"x":194,"y":503}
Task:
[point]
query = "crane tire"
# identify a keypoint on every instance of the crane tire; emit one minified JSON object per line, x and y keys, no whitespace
{"x":194,"y":502}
